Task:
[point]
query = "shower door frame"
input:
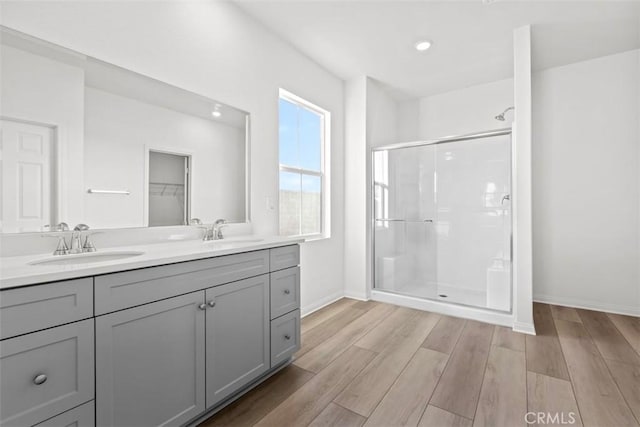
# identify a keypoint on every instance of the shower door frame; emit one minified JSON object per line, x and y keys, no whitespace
{"x":372,"y":219}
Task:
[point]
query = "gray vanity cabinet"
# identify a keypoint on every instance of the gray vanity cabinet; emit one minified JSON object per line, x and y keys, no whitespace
{"x":150,"y":365}
{"x":153,"y":346}
{"x":237,"y":335}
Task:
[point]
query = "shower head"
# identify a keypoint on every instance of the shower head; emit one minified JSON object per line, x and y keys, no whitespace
{"x":501,"y":115}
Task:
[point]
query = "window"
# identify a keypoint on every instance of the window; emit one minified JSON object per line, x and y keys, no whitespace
{"x":303,"y":140}
{"x":381,"y":188}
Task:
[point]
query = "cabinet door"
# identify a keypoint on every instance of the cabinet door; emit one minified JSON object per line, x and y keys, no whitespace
{"x":150,"y":363}
{"x":237,"y":335}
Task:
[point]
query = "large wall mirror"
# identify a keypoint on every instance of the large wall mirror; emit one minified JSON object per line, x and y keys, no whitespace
{"x":84,"y":141}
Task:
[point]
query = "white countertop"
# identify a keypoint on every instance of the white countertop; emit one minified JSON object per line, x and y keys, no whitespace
{"x":16,"y":271}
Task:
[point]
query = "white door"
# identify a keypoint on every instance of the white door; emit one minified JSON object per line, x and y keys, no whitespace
{"x":26,"y":170}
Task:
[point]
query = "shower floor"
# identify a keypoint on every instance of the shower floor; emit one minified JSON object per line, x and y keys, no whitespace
{"x":453,"y":294}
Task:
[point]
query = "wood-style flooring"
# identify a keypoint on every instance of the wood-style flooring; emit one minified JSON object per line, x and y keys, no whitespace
{"x":374,"y":364}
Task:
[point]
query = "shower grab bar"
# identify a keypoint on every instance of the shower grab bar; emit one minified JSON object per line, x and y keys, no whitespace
{"x":402,"y":220}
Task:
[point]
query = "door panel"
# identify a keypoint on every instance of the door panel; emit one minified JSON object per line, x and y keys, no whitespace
{"x":150,"y":363}
{"x":237,"y":336}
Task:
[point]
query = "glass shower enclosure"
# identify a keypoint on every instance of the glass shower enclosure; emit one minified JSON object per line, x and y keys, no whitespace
{"x":442,"y":219}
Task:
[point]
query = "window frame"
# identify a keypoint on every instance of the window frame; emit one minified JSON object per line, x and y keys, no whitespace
{"x":323,"y":173}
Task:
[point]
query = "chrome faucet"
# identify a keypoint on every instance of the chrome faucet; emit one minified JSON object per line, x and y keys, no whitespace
{"x":217,"y":229}
{"x":76,"y":240}
{"x":208,"y":231}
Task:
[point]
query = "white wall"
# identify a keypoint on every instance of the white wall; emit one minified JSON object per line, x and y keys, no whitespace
{"x":119,"y":130}
{"x":586,"y":183}
{"x":370,"y":121}
{"x":355,"y":153}
{"x":48,"y":92}
{"x":469,"y":110}
{"x":214,"y":49}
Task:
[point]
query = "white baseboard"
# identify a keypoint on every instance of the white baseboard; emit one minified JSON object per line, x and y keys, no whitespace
{"x":359,"y":296}
{"x":589,"y":305}
{"x":524,"y":328}
{"x":317,"y":305}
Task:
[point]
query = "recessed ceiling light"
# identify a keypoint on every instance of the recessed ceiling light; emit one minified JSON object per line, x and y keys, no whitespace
{"x":423,"y":45}
{"x":216,"y":113}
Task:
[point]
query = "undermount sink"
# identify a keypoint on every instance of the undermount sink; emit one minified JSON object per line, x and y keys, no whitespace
{"x":86,"y":258}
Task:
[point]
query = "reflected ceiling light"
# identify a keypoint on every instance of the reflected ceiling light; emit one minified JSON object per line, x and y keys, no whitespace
{"x":216,"y":111}
{"x":422,"y":45}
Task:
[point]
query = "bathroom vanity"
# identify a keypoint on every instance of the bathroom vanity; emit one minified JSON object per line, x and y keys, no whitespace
{"x":151,"y":340}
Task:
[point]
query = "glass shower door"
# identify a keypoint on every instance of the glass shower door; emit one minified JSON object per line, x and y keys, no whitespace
{"x":405,"y":242}
{"x":474,"y":222}
{"x":442,"y":221}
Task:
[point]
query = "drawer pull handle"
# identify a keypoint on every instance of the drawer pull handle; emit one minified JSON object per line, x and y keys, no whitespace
{"x":287,"y":291}
{"x":40,"y":379}
{"x":287,"y":337}
{"x":202,"y":306}
{"x":212,"y":303}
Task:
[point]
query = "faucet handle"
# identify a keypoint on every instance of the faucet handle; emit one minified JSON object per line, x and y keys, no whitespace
{"x":88,"y":244}
{"x":195,"y":221}
{"x":81,"y":227}
{"x":62,"y":248}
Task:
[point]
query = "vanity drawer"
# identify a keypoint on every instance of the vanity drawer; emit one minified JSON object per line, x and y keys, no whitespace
{"x":285,"y":257}
{"x":118,"y":291}
{"x":285,"y":337}
{"x":32,"y":308}
{"x":82,"y":416}
{"x":285,"y":291}
{"x":46,"y":373}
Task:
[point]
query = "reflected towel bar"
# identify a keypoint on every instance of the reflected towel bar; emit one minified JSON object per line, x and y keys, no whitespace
{"x":402,"y":220}
{"x":95,"y":191}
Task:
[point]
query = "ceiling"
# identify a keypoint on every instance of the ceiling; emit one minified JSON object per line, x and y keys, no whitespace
{"x":472,"y":40}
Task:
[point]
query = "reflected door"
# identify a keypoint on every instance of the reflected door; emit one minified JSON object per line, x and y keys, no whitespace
{"x":168,"y":189}
{"x":26,"y":152}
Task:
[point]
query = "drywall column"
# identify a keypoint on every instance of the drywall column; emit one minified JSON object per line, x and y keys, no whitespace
{"x":521,"y":185}
{"x":355,"y":192}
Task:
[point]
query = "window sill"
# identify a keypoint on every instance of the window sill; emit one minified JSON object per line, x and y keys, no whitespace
{"x":311,"y":237}
{"x":315,"y":237}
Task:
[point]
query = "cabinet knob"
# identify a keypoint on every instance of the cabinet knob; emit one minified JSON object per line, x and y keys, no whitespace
{"x":287,"y":291}
{"x":40,"y":379}
{"x":287,"y":337}
{"x":212,"y":303}
{"x":202,"y":306}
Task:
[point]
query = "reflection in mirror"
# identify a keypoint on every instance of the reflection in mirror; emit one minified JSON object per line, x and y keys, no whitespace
{"x":168,"y":189}
{"x":84,"y":141}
